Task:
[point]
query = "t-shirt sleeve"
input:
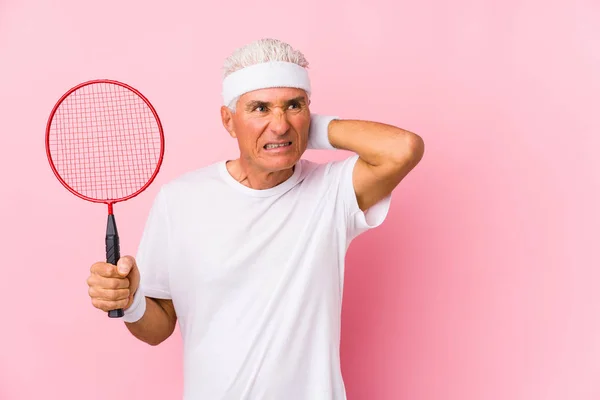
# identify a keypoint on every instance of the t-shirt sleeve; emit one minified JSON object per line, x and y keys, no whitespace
{"x":357,"y":221}
{"x":153,"y":251}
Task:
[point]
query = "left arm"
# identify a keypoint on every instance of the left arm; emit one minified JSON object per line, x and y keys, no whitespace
{"x":386,"y":155}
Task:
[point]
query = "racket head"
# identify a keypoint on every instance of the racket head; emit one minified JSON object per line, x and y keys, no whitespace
{"x":104,"y":141}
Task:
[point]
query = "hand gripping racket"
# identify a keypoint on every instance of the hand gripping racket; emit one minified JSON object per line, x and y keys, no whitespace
{"x":105,"y":144}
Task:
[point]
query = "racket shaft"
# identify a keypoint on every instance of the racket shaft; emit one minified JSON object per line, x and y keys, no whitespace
{"x":112,"y":253}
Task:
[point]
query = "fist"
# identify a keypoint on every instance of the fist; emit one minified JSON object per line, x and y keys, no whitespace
{"x":113,"y":286}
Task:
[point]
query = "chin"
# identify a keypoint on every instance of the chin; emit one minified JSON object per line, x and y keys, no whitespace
{"x":281,"y":163}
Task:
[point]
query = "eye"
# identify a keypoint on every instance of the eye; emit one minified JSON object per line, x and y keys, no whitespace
{"x":260,"y":108}
{"x":294,"y":105}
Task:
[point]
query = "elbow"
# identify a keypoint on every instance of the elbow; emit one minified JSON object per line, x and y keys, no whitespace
{"x":154,"y":341}
{"x":409,"y":150}
{"x":157,"y":339}
{"x":150,"y":340}
{"x":416,"y":146}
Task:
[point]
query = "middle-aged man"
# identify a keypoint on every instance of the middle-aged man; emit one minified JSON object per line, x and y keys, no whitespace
{"x":248,"y":254}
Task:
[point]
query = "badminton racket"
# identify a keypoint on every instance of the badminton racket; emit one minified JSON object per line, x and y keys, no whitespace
{"x":105,"y":144}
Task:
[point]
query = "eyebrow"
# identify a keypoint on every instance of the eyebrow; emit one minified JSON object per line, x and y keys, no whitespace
{"x":255,"y":103}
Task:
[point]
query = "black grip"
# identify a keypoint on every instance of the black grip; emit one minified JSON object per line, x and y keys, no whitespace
{"x":113,"y":254}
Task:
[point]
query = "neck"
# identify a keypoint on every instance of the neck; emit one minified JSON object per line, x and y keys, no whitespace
{"x":256,"y":178}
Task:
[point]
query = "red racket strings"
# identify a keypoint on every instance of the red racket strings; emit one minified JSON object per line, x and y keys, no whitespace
{"x":105,"y":141}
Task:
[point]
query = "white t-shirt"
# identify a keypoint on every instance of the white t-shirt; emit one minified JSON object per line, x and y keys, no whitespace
{"x":256,"y":278}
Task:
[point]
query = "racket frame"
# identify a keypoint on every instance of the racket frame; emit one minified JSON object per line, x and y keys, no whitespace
{"x":112,"y":241}
{"x":49,"y":154}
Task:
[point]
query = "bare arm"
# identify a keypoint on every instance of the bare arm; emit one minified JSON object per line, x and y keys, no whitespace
{"x":386,"y":155}
{"x":111,"y":288}
{"x":157,"y":324}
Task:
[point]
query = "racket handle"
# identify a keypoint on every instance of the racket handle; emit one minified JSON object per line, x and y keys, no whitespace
{"x":113,"y":254}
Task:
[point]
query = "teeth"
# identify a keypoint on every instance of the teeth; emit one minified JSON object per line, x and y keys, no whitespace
{"x":272,"y":146}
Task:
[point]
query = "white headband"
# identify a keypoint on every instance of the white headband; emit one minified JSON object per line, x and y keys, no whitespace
{"x":264,"y":75}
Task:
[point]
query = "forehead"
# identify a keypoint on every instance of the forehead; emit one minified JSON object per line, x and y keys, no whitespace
{"x":273,"y":95}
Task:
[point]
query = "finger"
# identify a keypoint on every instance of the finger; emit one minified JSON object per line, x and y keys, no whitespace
{"x":110,"y":283}
{"x":125,"y":265}
{"x":108,"y":294}
{"x":95,"y":280}
{"x":105,"y":269}
{"x":106,"y":305}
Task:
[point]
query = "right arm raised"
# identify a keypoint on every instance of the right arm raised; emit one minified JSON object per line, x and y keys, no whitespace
{"x":111,"y":288}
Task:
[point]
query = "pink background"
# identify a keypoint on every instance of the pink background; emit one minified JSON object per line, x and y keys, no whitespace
{"x":482,"y":284}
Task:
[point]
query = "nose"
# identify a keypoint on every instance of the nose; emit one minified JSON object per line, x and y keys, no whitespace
{"x":279,"y":124}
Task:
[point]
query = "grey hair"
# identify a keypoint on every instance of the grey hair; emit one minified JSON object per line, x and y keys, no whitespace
{"x":260,"y":51}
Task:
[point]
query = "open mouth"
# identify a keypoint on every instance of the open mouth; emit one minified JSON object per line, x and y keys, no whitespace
{"x":270,"y":146}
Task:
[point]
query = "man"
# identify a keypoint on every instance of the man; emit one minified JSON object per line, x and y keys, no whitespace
{"x":248,"y":254}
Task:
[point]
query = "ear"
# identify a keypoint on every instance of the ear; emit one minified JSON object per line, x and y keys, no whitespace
{"x":227,"y":120}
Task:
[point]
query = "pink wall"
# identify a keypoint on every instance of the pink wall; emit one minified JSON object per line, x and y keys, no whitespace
{"x":482,"y":284}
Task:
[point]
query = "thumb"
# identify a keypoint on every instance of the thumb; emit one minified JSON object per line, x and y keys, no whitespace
{"x":125,"y":265}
